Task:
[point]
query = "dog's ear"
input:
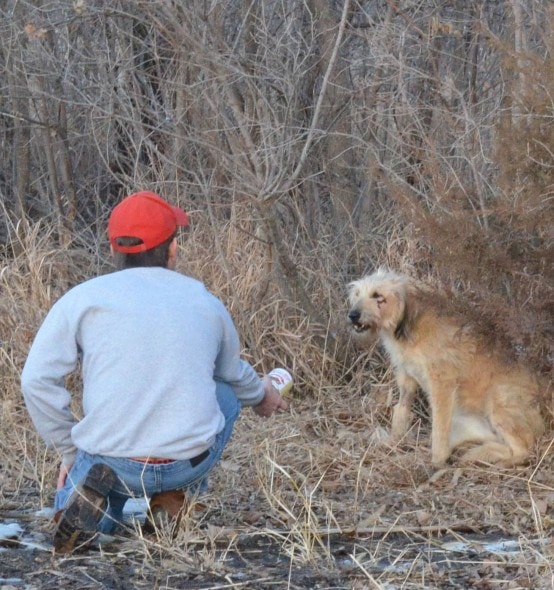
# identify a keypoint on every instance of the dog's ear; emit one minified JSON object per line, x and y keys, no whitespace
{"x":412,"y":311}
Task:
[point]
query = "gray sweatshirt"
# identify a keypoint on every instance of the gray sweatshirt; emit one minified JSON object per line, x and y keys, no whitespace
{"x":150,"y":342}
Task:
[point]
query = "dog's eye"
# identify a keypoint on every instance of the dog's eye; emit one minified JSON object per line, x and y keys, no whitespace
{"x":376,"y":295}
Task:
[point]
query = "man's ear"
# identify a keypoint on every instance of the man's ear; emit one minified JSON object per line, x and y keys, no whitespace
{"x":172,"y":252}
{"x":112,"y":251}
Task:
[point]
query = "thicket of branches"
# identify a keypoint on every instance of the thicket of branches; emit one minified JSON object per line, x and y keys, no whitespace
{"x":311,"y":141}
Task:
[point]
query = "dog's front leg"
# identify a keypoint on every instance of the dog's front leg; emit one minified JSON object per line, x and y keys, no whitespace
{"x":442,"y":399}
{"x":402,"y":412}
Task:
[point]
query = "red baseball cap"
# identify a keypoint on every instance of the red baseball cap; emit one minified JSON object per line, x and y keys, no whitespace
{"x":147,"y":217}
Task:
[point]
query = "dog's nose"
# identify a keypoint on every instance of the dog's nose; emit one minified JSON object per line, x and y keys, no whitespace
{"x":354,"y":315}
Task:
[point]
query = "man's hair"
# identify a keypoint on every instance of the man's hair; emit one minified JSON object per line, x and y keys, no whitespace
{"x":157,"y":256}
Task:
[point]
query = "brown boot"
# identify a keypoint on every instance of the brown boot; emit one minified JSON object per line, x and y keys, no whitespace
{"x":84,"y":510}
{"x":165,"y":512}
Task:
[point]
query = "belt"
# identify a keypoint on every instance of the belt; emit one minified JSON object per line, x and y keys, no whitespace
{"x":157,"y":461}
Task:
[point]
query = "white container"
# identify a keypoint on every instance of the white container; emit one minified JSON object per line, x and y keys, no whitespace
{"x":281,"y":379}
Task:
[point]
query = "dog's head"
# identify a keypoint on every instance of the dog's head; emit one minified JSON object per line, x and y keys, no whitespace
{"x":377,"y":304}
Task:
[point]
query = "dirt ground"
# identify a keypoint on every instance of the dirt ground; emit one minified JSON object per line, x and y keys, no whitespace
{"x":258,"y":562}
{"x":250,"y":559}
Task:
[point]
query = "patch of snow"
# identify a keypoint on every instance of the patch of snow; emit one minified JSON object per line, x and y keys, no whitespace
{"x":45,"y":513}
{"x":10,"y":531}
{"x":498,"y":547}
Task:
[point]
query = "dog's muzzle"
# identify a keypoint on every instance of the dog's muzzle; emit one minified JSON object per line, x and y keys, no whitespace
{"x":354,"y":316}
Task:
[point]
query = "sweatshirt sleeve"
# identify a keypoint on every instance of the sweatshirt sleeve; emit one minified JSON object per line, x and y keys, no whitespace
{"x":53,"y":355}
{"x":232,"y":369}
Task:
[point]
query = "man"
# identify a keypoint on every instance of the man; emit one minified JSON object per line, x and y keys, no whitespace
{"x":163,"y":382}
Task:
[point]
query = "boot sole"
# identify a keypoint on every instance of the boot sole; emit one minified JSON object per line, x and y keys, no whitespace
{"x":77,"y":525}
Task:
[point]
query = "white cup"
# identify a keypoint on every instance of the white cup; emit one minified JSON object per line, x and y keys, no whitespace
{"x":281,"y":379}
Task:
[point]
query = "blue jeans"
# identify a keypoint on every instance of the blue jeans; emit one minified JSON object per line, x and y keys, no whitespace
{"x":144,"y":479}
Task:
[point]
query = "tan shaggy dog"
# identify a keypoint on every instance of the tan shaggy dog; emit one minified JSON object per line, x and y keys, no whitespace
{"x":475,"y":396}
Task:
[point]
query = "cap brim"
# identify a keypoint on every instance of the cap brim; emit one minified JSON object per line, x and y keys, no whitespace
{"x":181,"y":217}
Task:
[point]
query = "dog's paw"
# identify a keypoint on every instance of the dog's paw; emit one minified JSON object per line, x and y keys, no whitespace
{"x":438,"y":460}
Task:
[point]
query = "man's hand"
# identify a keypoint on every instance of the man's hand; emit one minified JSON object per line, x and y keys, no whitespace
{"x":64,"y":471}
{"x":272,"y":401}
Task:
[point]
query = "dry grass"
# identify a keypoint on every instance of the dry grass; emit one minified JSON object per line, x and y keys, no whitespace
{"x":303,"y":500}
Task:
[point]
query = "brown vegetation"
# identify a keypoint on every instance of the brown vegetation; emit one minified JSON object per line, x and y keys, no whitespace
{"x":311,"y":142}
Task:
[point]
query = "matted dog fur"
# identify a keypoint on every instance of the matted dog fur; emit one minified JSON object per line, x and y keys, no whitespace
{"x":476,"y":397}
